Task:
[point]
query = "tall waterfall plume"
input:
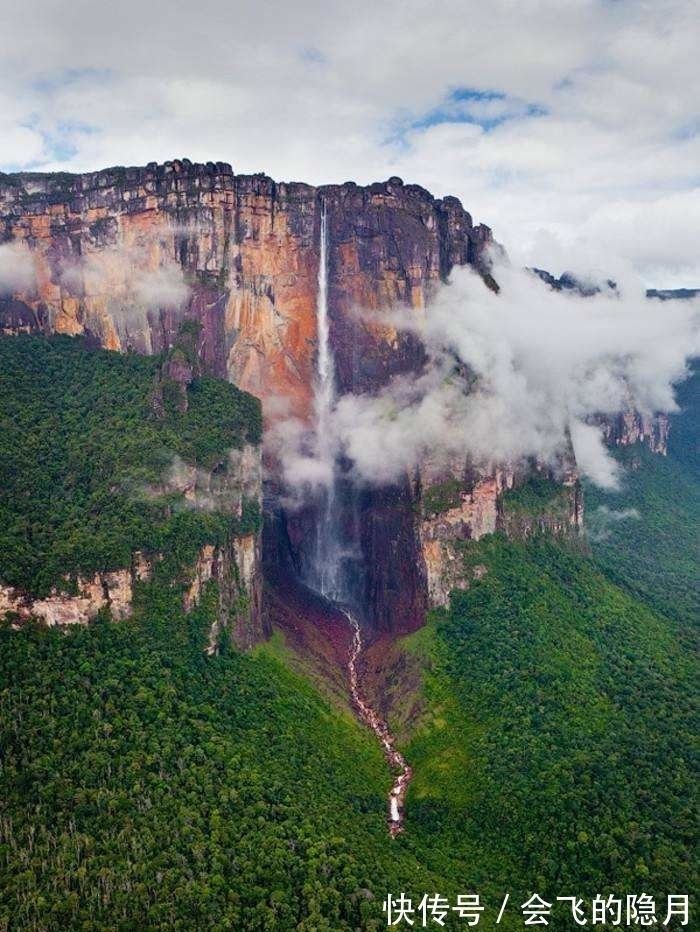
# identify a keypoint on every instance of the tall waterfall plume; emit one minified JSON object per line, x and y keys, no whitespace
{"x":327,"y":557}
{"x":337,"y":558}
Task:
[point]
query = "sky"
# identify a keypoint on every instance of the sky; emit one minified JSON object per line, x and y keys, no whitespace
{"x":568,"y":126}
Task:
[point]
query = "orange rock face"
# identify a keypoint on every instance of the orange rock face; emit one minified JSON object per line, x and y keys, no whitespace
{"x":271,"y":308}
{"x":473,"y":514}
{"x":126,"y":254}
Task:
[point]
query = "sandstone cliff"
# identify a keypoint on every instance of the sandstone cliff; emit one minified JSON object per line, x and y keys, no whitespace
{"x":108,"y":590}
{"x":236,"y":570}
{"x":632,"y":427}
{"x":127,"y":254}
{"x":462,"y":504}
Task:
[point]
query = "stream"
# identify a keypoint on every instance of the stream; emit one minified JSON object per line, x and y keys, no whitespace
{"x":396,"y":760}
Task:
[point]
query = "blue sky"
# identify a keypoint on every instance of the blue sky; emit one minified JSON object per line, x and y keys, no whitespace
{"x":484,"y":108}
{"x":569,"y":126}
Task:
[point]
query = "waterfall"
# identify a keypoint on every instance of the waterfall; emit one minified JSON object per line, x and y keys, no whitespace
{"x":334,"y":554}
{"x":325,"y":369}
{"x":327,"y":557}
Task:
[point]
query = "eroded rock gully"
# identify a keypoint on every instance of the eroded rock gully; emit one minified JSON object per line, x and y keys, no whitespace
{"x":397,"y":762}
{"x":326,"y":642}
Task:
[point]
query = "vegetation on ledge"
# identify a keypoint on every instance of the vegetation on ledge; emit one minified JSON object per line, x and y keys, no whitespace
{"x":442,"y":496}
{"x":537,"y":496}
{"x":84,"y":458}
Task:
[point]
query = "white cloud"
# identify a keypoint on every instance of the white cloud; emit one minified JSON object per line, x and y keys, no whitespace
{"x":591,"y":457}
{"x":16,"y":269}
{"x":160,"y":287}
{"x":601,"y":522}
{"x":543,"y":363}
{"x":599,"y":102}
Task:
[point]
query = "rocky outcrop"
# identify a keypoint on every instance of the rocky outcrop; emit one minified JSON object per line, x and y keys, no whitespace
{"x":454,"y":512}
{"x":236,"y":569}
{"x":558,"y":513}
{"x":632,"y":427}
{"x":673,"y":294}
{"x":112,"y":591}
{"x":206,"y":568}
{"x":234,"y":488}
{"x":231,"y":487}
{"x":568,"y":281}
{"x":459,"y":506}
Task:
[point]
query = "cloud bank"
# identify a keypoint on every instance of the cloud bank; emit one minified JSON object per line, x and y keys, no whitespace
{"x":16,"y":269}
{"x":513,"y":376}
{"x":562,"y":125}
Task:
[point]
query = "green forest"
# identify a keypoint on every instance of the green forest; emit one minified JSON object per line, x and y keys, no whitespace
{"x":646,"y":535}
{"x":558,"y":748}
{"x":146,"y":786}
{"x":85,"y":451}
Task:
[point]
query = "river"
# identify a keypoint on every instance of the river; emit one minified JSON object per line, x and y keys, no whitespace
{"x":396,"y":760}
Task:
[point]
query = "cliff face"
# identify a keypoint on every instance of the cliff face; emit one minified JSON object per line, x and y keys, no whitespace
{"x":236,"y":564}
{"x":127,"y":254}
{"x":454,"y":510}
{"x":632,"y":427}
{"x":459,"y":505}
{"x":236,"y":570}
{"x":112,"y":590}
{"x":389,"y":246}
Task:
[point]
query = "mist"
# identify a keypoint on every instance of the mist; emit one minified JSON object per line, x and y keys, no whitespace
{"x":131,"y":283}
{"x":513,"y":376}
{"x":16,"y":269}
{"x":203,"y":490}
{"x":601,"y":522}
